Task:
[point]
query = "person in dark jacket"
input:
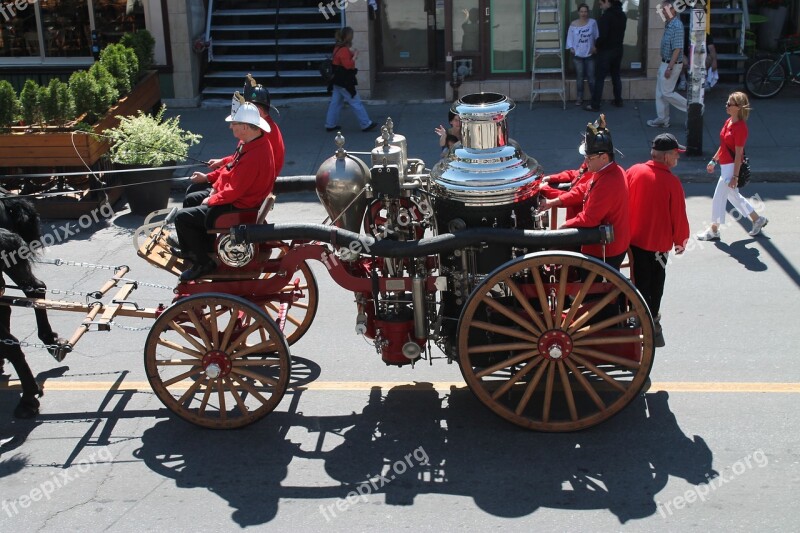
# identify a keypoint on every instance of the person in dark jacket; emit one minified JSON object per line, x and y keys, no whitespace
{"x":609,"y":51}
{"x":344,"y":83}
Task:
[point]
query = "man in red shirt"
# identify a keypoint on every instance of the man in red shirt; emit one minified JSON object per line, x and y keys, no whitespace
{"x":658,"y":221}
{"x":604,"y":197}
{"x":257,"y":94}
{"x":242,"y":182}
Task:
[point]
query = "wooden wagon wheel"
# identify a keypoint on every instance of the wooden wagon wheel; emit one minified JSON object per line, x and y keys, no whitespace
{"x":555,"y":341}
{"x":301,"y":312}
{"x":217,"y":361}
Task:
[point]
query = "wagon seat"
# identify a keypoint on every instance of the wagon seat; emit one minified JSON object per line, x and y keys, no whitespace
{"x":237,"y":258}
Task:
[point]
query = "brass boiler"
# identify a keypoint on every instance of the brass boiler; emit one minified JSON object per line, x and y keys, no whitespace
{"x":341,"y":183}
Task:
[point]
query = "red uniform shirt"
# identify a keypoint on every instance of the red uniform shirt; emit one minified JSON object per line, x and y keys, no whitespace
{"x":573,"y":207}
{"x":657,"y":208}
{"x":733,"y":134}
{"x":247,"y":176}
{"x":605,"y":201}
{"x":276,"y":142}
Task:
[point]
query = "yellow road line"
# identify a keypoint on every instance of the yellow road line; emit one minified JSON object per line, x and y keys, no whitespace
{"x":439,"y":386}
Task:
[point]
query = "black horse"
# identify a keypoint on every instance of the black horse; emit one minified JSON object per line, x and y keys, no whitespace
{"x":19,"y":229}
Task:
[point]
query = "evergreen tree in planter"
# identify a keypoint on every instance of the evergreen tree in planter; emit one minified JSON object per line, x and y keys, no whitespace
{"x":86,"y":94}
{"x":58,"y":105}
{"x":121,"y":62}
{"x":31,"y":98}
{"x":107,"y":88}
{"x":143,"y":44}
{"x":147,"y":140}
{"x":9,"y":105}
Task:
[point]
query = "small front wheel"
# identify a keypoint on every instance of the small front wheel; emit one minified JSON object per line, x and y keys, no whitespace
{"x":765,"y":78}
{"x":217,"y":361}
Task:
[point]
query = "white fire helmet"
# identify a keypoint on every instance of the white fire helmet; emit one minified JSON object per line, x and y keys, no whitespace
{"x":248,"y":114}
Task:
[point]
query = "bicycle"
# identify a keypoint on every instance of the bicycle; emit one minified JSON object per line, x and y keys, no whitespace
{"x":766,"y":77}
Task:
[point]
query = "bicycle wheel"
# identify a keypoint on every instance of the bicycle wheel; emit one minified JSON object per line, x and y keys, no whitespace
{"x":765,"y":78}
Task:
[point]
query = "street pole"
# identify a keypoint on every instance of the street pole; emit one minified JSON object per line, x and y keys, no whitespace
{"x":696,"y":78}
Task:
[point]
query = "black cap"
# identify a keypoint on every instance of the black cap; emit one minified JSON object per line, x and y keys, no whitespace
{"x":666,"y":142}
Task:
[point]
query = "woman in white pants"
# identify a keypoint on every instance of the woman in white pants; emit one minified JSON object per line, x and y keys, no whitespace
{"x":729,"y":156}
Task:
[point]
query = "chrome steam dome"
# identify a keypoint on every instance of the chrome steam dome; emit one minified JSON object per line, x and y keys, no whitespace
{"x":489,"y":169}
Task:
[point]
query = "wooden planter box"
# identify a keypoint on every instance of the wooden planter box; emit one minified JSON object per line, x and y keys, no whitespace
{"x":55,"y":149}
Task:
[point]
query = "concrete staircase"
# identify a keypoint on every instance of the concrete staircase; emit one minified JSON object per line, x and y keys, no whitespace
{"x":279,"y":42}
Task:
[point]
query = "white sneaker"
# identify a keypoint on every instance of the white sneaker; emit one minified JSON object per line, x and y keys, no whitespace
{"x":758,"y":224}
{"x":708,"y":235}
{"x":656,"y":123}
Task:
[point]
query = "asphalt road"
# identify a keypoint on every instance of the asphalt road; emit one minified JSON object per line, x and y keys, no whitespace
{"x":712,"y":444}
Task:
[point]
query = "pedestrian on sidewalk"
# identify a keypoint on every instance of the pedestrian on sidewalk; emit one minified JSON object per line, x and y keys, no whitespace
{"x":671,"y":65}
{"x":611,"y":30}
{"x":658,"y":221}
{"x":581,"y":37}
{"x":728,"y":156}
{"x":344,"y":83}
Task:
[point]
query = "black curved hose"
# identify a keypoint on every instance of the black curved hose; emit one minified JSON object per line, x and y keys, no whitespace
{"x":442,"y":243}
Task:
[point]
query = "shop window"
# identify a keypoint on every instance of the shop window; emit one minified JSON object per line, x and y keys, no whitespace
{"x":46,"y":29}
{"x":508,"y":35}
{"x":634,"y":45}
{"x":466,"y":26}
{"x":114,"y":18}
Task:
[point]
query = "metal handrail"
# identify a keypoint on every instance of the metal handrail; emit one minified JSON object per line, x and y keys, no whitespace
{"x":208,"y":30}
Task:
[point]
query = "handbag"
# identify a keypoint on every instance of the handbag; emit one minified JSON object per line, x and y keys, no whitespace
{"x":744,"y":170}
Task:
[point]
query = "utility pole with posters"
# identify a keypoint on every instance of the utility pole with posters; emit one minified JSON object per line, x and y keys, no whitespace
{"x":696,"y":78}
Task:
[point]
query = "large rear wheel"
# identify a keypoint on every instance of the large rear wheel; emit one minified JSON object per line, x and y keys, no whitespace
{"x":555,"y":341}
{"x":295,"y":307}
{"x":217,"y":361}
{"x":765,"y":78}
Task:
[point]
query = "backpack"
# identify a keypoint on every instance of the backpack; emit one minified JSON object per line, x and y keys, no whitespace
{"x":326,"y":70}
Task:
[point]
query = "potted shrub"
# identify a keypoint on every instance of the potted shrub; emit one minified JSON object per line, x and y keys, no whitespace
{"x":149,"y":141}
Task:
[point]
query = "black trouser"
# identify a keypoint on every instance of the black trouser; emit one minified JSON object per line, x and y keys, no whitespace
{"x":196,"y":193}
{"x":649,"y":273}
{"x":192,"y":228}
{"x":608,"y":62}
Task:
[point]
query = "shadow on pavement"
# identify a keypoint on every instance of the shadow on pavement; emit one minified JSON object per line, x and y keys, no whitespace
{"x":508,"y":472}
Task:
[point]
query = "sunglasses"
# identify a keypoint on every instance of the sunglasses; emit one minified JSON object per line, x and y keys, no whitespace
{"x":730,"y":104}
{"x":591,"y":157}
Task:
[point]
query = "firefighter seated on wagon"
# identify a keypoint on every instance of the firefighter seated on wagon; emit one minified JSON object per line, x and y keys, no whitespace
{"x":603,"y":197}
{"x":243,"y":181}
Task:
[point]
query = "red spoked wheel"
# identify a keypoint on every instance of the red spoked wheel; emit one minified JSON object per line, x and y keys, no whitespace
{"x":217,"y":361}
{"x":295,"y":306}
{"x":555,"y":341}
